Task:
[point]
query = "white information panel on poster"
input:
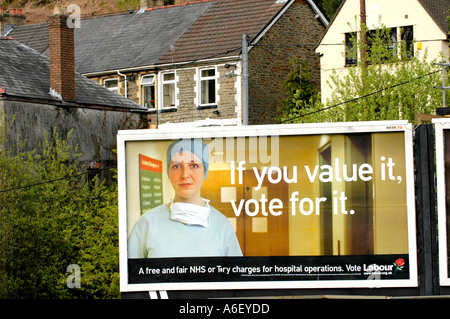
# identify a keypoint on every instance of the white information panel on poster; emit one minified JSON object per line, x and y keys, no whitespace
{"x":273,"y":206}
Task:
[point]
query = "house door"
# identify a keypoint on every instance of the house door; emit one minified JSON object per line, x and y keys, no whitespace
{"x":259,"y":235}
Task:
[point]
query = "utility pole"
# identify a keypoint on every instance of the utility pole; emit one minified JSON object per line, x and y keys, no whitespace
{"x":245,"y":79}
{"x":362,"y":6}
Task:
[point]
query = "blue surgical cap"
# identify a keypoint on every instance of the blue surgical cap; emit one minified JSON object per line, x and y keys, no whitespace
{"x":195,"y":146}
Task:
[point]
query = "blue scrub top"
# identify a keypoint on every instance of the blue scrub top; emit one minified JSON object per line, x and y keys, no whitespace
{"x":156,"y":235}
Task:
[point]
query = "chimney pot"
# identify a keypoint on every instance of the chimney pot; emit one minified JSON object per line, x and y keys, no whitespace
{"x":8,"y":17}
{"x":59,"y":10}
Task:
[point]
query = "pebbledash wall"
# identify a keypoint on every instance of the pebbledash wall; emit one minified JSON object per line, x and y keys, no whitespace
{"x":269,"y":64}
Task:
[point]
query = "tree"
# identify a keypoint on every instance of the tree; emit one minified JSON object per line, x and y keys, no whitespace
{"x":52,"y":217}
{"x":328,"y":7}
{"x":395,"y":84}
{"x":302,"y":94}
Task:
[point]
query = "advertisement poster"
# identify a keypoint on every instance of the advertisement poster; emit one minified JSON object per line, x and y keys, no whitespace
{"x":276,"y":206}
{"x":442,"y":130}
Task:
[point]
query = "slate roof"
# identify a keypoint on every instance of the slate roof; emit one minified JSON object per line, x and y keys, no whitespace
{"x":438,"y":9}
{"x":131,"y":39}
{"x":26,"y":73}
{"x":178,"y":33}
{"x":33,"y":35}
{"x":218,"y":32}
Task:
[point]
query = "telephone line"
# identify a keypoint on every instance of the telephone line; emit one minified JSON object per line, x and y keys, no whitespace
{"x":358,"y":98}
{"x":57,"y":179}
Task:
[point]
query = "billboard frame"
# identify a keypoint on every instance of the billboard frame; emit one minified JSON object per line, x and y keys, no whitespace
{"x":126,"y":136}
{"x":440,"y":125}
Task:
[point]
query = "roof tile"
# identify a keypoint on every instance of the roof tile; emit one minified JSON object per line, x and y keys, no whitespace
{"x":198,"y":30}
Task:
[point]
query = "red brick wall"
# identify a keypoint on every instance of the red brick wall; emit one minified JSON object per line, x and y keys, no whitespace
{"x":62,"y":57}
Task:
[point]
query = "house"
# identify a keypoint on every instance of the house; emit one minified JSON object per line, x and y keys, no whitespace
{"x":421,"y":24}
{"x":184,"y":62}
{"x":42,"y":93}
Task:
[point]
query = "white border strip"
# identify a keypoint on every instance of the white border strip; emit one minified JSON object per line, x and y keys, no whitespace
{"x":440,"y":126}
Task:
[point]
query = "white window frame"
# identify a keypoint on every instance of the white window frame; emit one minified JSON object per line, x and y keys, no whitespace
{"x":113,"y":89}
{"x":201,"y":80}
{"x":147,"y":80}
{"x":162,"y":82}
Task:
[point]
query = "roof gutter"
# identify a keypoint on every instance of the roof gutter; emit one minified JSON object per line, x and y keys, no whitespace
{"x":159,"y":66}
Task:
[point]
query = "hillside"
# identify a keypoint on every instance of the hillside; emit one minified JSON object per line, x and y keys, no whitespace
{"x":38,"y":11}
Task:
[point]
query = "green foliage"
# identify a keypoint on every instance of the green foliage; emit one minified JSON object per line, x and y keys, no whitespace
{"x":302,"y":94}
{"x":393,"y":85}
{"x":328,"y":7}
{"x":50,"y":225}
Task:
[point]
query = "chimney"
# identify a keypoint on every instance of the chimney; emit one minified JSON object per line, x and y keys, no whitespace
{"x":11,"y":16}
{"x":62,"y":55}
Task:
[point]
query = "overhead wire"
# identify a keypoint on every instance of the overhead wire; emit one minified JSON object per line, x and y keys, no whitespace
{"x":57,"y":179}
{"x":360,"y":97}
{"x":284,"y":121}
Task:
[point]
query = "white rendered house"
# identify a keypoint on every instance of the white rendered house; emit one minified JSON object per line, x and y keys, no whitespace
{"x":422,"y":23}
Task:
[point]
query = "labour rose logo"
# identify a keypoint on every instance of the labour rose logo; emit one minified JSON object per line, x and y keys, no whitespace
{"x":399,"y":265}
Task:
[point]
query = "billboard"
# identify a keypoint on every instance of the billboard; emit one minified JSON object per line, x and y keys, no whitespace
{"x":442,"y":130}
{"x":273,"y":206}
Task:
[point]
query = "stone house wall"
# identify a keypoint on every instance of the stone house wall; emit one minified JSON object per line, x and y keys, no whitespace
{"x":294,"y":35}
{"x":187,"y":110}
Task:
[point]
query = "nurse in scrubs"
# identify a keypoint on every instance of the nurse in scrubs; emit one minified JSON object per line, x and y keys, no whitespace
{"x":187,"y":226}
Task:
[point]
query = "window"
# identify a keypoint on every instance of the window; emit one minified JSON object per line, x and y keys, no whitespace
{"x":168,"y":83}
{"x":148,"y":91}
{"x":351,"y":49}
{"x":407,"y":36}
{"x":382,"y":44}
{"x":208,"y":86}
{"x":391,"y":42}
{"x":110,"y":84}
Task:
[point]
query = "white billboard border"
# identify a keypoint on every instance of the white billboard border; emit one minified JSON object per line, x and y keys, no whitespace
{"x":440,"y":125}
{"x":268,"y":130}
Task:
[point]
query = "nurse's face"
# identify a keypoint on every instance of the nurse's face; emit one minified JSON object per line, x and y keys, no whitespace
{"x":186,"y":174}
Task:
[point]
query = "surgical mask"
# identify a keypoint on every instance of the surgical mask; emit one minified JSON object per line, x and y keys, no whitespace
{"x":190,"y":214}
